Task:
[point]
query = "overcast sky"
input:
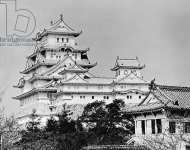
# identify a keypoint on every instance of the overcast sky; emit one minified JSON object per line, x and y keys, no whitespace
{"x":157,"y":31}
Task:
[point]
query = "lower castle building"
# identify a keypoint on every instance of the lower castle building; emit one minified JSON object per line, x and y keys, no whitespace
{"x":162,"y":118}
{"x":58,"y":72}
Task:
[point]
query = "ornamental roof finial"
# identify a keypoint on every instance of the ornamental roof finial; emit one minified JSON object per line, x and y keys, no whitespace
{"x":51,"y":22}
{"x":61,"y":17}
{"x":152,"y":85}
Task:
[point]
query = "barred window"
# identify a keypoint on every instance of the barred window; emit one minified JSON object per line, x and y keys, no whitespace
{"x":187,"y":147}
{"x":143,"y":126}
{"x":153,"y":126}
{"x":159,"y":125}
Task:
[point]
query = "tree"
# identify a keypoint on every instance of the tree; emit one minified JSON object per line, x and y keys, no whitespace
{"x":52,"y":125}
{"x":33,"y":131}
{"x":108,"y":123}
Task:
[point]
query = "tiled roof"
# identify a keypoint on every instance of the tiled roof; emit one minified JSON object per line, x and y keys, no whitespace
{"x":59,"y":27}
{"x":166,"y":97}
{"x":38,"y":64}
{"x":177,"y":95}
{"x":34,"y":90}
{"x":89,"y":80}
{"x":132,"y":63}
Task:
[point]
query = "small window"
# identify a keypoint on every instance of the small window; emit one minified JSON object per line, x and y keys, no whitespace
{"x":172,"y":127}
{"x":57,"y":39}
{"x":107,"y":97}
{"x":62,"y":39}
{"x":92,"y":97}
{"x":139,"y":96}
{"x":67,"y":40}
{"x":130,"y":97}
{"x":84,"y":97}
{"x":127,"y":96}
{"x":80,"y":97}
{"x":104,"y":97}
{"x":51,"y":109}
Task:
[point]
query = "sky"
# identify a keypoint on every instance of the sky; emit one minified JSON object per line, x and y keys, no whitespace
{"x":157,"y":31}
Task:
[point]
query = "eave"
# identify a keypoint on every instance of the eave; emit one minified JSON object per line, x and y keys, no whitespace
{"x":144,"y":111}
{"x":72,"y":71}
{"x":18,"y":86}
{"x":33,"y":91}
{"x":46,"y":32}
{"x":36,"y":66}
{"x":88,"y":65}
{"x":157,"y":109}
{"x":42,"y":78}
{"x":84,"y":84}
{"x":83,"y":92}
{"x":127,"y":67}
{"x":120,"y":83}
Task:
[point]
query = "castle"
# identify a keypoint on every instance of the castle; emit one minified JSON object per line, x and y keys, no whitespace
{"x":58,"y":72}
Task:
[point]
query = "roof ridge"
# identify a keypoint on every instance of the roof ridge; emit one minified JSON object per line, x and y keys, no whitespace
{"x":173,"y":87}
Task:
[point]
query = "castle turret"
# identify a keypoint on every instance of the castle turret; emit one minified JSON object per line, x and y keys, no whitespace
{"x":125,"y":67}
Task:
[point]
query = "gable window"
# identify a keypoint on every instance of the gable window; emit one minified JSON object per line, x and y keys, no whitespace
{"x":159,"y":125}
{"x":84,"y":56}
{"x":153,"y":126}
{"x":187,"y":127}
{"x":143,"y":126}
{"x":172,"y":127}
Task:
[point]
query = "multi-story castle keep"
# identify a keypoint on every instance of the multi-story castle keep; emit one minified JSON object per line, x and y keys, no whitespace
{"x":58,"y":72}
